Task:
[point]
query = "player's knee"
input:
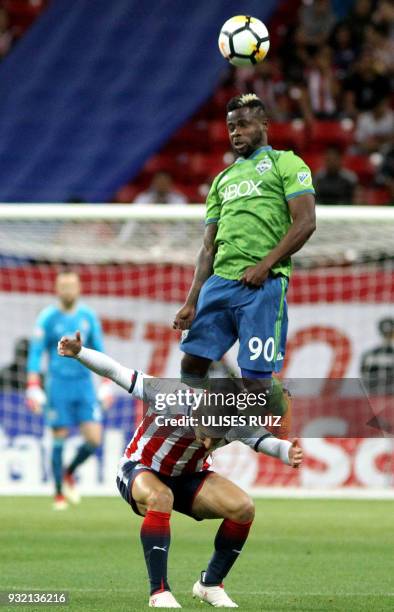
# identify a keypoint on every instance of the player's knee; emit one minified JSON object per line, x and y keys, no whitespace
{"x":60,"y":433}
{"x":195,"y":366}
{"x":244,"y":510}
{"x":93,"y":438}
{"x":161,"y":500}
{"x":93,"y":442}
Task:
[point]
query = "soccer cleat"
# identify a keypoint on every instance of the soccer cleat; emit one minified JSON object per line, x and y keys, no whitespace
{"x":70,"y":489}
{"x":163,"y":599}
{"x":60,"y":502}
{"x":216,"y":596}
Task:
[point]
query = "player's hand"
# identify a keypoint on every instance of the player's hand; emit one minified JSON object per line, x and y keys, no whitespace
{"x":254,"y":276}
{"x":184,"y":317}
{"x":69,"y":347}
{"x":105,"y":395}
{"x":295,"y":454}
{"x":35,"y":397}
{"x":207,"y":442}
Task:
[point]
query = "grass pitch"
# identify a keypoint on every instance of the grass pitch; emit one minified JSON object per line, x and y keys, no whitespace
{"x":302,"y":555}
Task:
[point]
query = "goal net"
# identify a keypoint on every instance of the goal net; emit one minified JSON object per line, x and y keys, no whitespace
{"x":136,"y":264}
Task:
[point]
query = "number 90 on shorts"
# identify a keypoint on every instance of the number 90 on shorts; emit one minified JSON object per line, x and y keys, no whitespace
{"x":228,"y":311}
{"x":257,"y":347}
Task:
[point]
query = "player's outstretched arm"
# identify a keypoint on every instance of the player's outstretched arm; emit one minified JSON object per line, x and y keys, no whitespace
{"x":288,"y":452}
{"x":204,"y":267}
{"x":98,"y":362}
{"x":295,"y":454}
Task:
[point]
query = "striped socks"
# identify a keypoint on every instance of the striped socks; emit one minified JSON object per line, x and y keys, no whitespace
{"x":229,"y":541}
{"x":155,"y":538}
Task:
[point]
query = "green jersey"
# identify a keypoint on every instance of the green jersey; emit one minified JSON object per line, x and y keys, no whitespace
{"x":248,"y":201}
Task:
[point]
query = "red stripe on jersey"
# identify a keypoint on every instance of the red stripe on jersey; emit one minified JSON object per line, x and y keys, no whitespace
{"x":147,"y":421}
{"x":175,"y":453}
{"x":191,"y":465}
{"x":206,"y":464}
{"x":150,"y":449}
{"x":155,"y":442}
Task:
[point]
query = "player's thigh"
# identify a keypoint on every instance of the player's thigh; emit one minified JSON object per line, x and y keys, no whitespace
{"x":221,"y":498}
{"x":262,"y":327}
{"x":60,"y":433}
{"x":194,"y":365}
{"x":91,"y":432}
{"x":58,"y":410}
{"x":213,"y":330}
{"x":150,"y":493}
{"x":87,"y":408}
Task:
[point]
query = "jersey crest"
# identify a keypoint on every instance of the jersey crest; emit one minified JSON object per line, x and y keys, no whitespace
{"x":85,"y":325}
{"x":264,"y":165}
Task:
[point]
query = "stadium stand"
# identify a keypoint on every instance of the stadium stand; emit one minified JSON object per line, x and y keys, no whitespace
{"x":200,"y":149}
{"x":90,"y":118}
{"x":312,"y":105}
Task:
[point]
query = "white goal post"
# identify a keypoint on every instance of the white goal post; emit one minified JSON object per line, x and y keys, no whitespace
{"x":136,"y":263}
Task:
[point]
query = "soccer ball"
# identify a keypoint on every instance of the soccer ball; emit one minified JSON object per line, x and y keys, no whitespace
{"x":244,"y":40}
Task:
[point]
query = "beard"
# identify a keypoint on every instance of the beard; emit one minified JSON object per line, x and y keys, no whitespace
{"x":249,"y":147}
{"x":68,"y":304}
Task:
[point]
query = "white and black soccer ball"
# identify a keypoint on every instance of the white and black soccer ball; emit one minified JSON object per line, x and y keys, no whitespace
{"x":244,"y":40}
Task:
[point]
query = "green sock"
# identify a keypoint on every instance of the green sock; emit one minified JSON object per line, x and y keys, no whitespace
{"x":57,"y":463}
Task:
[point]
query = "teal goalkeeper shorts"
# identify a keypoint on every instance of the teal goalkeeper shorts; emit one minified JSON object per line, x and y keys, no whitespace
{"x":71,"y":401}
{"x":227,"y":310}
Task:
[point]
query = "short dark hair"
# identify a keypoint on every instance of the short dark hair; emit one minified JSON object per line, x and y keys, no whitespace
{"x":65,"y":270}
{"x":248,"y":100}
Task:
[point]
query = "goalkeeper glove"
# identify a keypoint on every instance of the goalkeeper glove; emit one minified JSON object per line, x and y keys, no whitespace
{"x":35,"y":397}
{"x":105,"y":395}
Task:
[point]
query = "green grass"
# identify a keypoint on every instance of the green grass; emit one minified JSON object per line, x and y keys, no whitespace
{"x":302,"y":555}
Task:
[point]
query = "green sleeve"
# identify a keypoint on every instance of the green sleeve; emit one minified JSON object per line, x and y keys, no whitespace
{"x":296,"y":175}
{"x":213,"y":203}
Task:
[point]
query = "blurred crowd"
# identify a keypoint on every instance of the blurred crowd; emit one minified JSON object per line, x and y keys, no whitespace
{"x":321,"y":69}
{"x":325,"y":68}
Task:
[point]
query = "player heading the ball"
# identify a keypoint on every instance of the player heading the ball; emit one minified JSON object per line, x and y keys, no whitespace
{"x":259,"y":211}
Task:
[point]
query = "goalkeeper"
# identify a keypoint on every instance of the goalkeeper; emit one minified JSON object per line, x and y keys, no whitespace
{"x":69,"y":398}
{"x":260,"y":210}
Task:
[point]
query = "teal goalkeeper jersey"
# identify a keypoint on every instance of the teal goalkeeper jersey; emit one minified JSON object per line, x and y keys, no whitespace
{"x":248,"y":201}
{"x":51,"y":325}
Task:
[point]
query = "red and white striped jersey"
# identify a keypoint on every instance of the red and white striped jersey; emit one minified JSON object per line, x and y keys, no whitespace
{"x":174,"y":450}
{"x":168,"y":450}
{"x":170,"y":453}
